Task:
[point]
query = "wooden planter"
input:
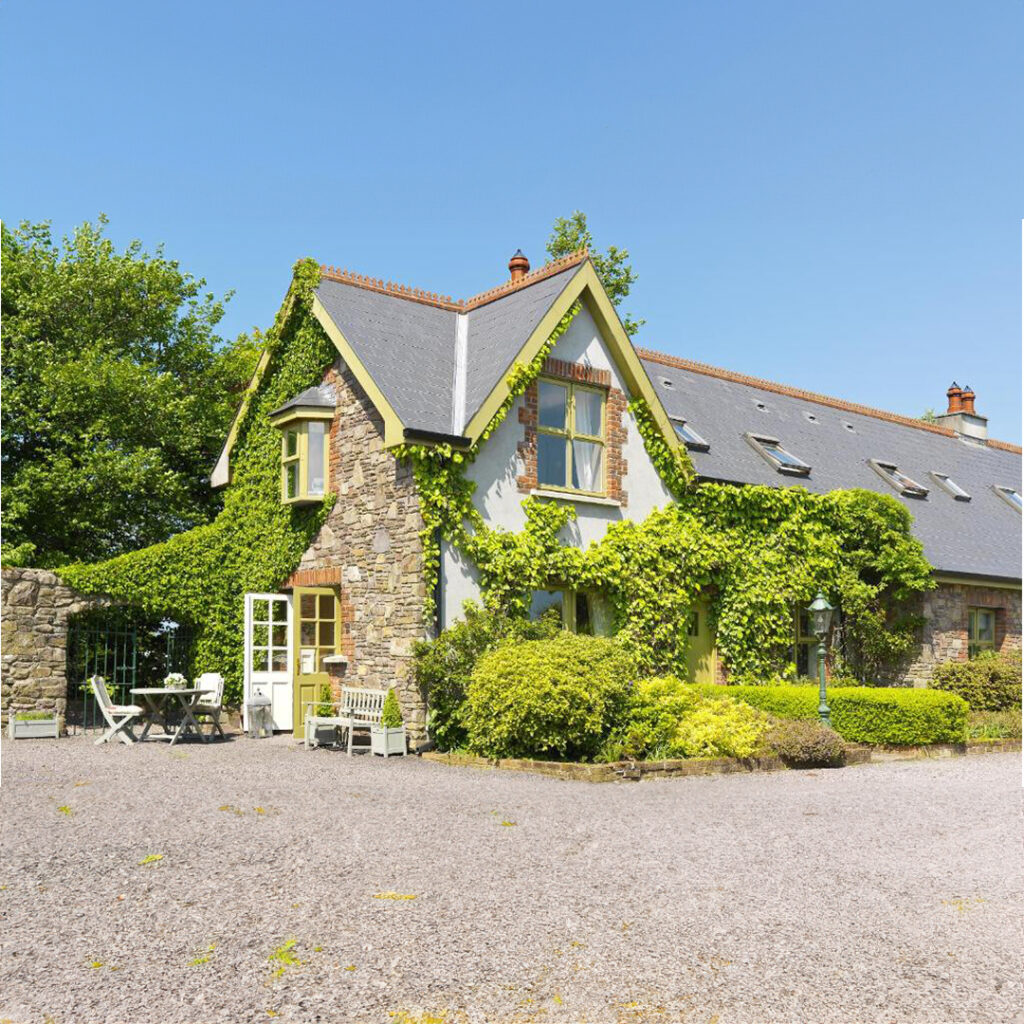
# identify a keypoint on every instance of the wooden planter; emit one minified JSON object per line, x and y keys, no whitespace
{"x":385,"y":741}
{"x":33,"y":728}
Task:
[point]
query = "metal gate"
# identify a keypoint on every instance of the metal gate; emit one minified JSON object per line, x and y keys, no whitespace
{"x":128,"y":650}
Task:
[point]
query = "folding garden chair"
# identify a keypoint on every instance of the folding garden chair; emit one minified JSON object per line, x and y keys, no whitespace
{"x":120,"y":717}
{"x":209,"y":705}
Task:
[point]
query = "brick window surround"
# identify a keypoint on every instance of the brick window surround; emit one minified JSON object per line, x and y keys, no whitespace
{"x":615,"y":428}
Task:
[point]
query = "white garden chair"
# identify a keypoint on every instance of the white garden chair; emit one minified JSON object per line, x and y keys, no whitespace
{"x":119,"y":717}
{"x":209,"y":705}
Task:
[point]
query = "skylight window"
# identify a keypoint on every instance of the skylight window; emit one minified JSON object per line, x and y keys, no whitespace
{"x":772,"y":451}
{"x":1009,"y":495}
{"x":689,"y":436}
{"x":950,"y":486}
{"x":891,"y":475}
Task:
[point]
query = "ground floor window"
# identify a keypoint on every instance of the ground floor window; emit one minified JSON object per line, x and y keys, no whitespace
{"x":981,"y":631}
{"x":580,"y":611}
{"x":805,"y":646}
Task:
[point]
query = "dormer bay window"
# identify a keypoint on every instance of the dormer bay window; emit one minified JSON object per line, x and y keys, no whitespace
{"x":305,"y":424}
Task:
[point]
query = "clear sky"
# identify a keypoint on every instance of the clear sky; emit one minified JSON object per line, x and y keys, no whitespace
{"x":825,"y":194}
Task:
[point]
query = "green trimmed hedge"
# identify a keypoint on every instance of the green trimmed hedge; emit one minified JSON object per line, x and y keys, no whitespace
{"x":864,"y":714}
{"x":989,"y":682}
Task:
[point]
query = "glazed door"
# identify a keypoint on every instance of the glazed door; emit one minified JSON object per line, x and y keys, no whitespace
{"x":700,"y":655}
{"x":268,"y":653}
{"x":315,"y":638}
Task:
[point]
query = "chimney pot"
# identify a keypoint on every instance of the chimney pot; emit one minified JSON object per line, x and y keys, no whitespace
{"x":955,"y":396}
{"x":518,"y":266}
{"x":968,"y":400}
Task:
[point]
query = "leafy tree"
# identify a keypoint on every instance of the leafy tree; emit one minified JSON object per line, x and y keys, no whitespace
{"x":117,"y":395}
{"x":616,"y":273}
{"x":929,"y":416}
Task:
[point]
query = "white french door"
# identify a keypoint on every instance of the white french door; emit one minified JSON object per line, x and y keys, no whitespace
{"x":268,"y":654}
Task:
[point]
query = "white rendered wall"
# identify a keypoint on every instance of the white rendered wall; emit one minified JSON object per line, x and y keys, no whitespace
{"x":499,"y":500}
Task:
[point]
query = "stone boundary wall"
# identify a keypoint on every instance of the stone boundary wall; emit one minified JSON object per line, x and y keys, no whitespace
{"x":35,"y":606}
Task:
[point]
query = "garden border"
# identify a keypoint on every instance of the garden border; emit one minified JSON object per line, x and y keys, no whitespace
{"x":633,"y":771}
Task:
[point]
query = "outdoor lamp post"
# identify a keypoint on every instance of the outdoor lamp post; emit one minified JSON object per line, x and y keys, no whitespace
{"x":821,"y":619}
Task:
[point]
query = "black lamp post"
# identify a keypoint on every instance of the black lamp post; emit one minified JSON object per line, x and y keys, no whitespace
{"x":821,"y":618}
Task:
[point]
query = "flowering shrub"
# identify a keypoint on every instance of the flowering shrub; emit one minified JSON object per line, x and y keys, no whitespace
{"x":719,"y":727}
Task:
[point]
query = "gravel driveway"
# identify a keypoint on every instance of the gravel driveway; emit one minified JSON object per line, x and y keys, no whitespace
{"x":876,"y":893}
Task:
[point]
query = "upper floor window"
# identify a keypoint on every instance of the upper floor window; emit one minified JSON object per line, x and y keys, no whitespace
{"x":689,"y":436}
{"x":570,"y":436}
{"x":950,"y":486}
{"x":1009,"y":495}
{"x":772,"y":451}
{"x":891,"y":475}
{"x":981,"y":631}
{"x":305,"y":424}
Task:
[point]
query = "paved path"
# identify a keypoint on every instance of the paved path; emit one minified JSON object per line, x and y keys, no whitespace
{"x":872,"y":894}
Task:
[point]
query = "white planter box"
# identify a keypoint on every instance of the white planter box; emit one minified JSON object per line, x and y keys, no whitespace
{"x":32,"y":728}
{"x":386,"y":741}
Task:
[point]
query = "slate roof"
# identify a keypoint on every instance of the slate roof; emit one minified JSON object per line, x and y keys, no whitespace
{"x":320,"y":396}
{"x":981,"y":537}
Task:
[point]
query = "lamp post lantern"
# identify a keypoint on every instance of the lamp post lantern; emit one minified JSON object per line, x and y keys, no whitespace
{"x":821,"y":618}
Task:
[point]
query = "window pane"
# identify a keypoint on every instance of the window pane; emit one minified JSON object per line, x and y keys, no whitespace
{"x":261,"y":635}
{"x":307,"y":634}
{"x":291,"y":443}
{"x":279,"y":661}
{"x":588,"y":413}
{"x":584,"y":622}
{"x":315,"y":467}
{"x":551,"y":460}
{"x":260,"y":610}
{"x":586,"y":466}
{"x":543,"y":601}
{"x":259,"y":659}
{"x":782,"y":456}
{"x":327,"y":606}
{"x":307,"y":606}
{"x":291,"y":478}
{"x":327,"y":634}
{"x":986,"y":627}
{"x":552,"y":400}
{"x":693,"y":629}
{"x":279,"y":632}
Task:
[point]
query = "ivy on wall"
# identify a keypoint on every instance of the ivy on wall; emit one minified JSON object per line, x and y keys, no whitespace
{"x":199,"y":577}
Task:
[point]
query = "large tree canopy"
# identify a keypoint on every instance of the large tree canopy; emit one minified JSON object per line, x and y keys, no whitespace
{"x":117,"y":396}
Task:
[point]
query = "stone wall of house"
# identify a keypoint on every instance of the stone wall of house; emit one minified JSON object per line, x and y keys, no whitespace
{"x":370,"y":549}
{"x":945,"y":631}
{"x":34,"y":610}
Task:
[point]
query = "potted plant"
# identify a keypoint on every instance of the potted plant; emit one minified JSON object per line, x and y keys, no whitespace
{"x":389,"y":736}
{"x":325,"y":709}
{"x":175,"y":681}
{"x":30,"y":725}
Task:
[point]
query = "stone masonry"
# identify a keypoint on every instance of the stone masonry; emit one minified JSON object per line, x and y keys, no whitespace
{"x":945,"y":631}
{"x":370,"y":548}
{"x":34,"y":610}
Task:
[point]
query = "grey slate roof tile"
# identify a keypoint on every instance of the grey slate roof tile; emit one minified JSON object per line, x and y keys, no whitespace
{"x":981,"y":537}
{"x":321,"y":395}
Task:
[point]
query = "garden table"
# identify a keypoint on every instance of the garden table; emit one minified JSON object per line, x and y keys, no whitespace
{"x":155,"y":699}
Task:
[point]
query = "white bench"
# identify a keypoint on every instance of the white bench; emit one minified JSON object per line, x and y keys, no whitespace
{"x":357,"y":709}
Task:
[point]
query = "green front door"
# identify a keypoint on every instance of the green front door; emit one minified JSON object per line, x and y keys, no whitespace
{"x":316,"y":637}
{"x":700,"y":655}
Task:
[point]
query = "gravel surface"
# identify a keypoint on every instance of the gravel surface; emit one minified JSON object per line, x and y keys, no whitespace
{"x":877,"y":893}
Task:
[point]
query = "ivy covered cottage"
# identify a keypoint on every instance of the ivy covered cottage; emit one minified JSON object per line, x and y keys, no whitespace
{"x":398,"y":453}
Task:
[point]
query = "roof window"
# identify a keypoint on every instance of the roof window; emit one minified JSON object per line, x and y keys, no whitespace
{"x":891,"y":475}
{"x":1009,"y":495}
{"x":773,"y":452}
{"x":689,"y":436}
{"x":950,"y":486}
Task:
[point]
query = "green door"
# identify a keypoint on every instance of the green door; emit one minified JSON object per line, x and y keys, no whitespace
{"x":700,"y":655}
{"x":316,"y":637}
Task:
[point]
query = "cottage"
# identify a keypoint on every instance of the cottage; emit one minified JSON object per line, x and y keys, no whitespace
{"x":535,"y":390}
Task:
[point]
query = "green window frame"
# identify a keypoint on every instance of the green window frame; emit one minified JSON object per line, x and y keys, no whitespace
{"x":567,"y":445}
{"x":305,"y":446}
{"x":981,"y":631}
{"x":582,"y":611}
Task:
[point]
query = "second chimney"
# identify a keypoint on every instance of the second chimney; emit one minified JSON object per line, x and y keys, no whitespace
{"x":954,"y":395}
{"x":518,"y":266}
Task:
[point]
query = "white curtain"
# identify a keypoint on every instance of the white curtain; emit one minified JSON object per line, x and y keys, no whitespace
{"x":586,"y":466}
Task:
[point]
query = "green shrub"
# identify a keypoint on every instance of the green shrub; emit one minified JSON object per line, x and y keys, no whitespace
{"x":443,"y":666}
{"x":653,"y":711}
{"x":994,"y":725}
{"x":34,"y":716}
{"x":989,"y":682}
{"x":718,"y":727}
{"x":900,"y":716}
{"x":390,"y":712}
{"x":804,"y":744}
{"x":554,"y":698}
{"x":326,"y":706}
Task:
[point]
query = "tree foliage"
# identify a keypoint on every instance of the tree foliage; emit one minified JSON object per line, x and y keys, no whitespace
{"x":117,"y":393}
{"x":613,"y":268}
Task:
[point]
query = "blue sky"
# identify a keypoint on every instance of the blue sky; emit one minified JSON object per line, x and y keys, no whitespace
{"x":828,"y":195}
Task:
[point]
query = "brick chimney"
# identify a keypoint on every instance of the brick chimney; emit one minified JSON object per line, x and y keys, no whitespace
{"x":518,"y":266}
{"x":961,"y":417}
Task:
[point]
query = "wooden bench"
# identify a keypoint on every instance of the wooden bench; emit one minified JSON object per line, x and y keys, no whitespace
{"x":357,"y":709}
